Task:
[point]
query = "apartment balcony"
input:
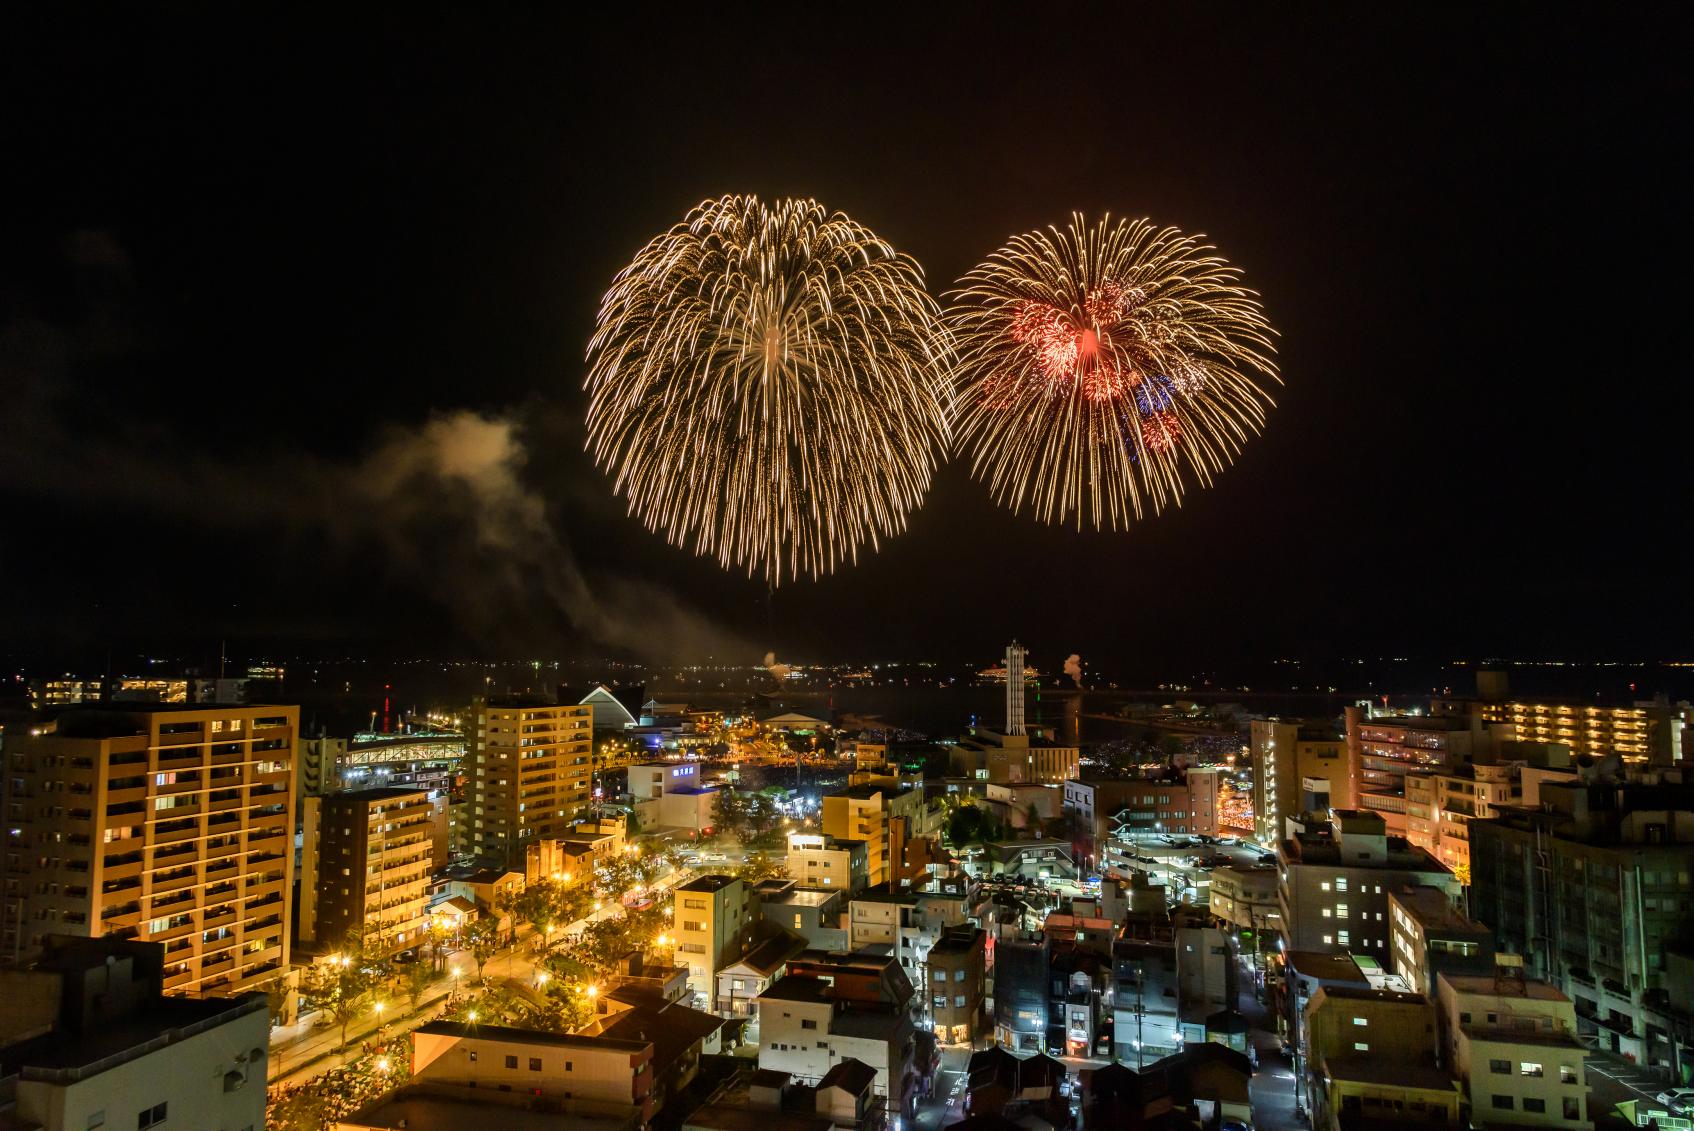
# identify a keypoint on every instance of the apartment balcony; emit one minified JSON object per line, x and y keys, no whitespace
{"x":116,"y":891}
{"x":219,"y":946}
{"x":117,"y":918}
{"x":178,"y":980}
{"x":225,"y":804}
{"x":264,"y":888}
{"x":176,"y":835}
{"x":217,"y":918}
{"x":124,"y":871}
{"x":262,"y":966}
{"x":217,"y":965}
{"x":127,"y":796}
{"x":162,"y":885}
{"x":170,"y":760}
{"x":181,"y":930}
{"x":221,"y":855}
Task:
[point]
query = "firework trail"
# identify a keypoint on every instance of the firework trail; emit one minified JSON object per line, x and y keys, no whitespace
{"x":770,"y":385}
{"x":1104,"y":368}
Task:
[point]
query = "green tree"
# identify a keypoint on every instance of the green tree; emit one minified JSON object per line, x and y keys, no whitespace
{"x":417,"y":980}
{"x":482,"y":935}
{"x":343,"y":986}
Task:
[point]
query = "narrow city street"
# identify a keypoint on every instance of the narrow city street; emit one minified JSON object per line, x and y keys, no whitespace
{"x":311,"y":1046}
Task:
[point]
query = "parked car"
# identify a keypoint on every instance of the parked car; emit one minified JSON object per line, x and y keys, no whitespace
{"x":1678,"y":1100}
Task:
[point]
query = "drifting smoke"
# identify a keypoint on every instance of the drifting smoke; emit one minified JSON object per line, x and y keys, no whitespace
{"x":466,"y":468}
{"x":447,"y":501}
{"x":1073,"y":667}
{"x":779,"y":672}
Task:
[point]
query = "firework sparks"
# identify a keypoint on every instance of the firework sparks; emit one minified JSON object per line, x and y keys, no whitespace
{"x":771,"y":385}
{"x":1103,"y":369}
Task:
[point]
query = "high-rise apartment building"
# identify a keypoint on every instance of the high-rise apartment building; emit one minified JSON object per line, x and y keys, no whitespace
{"x":527,"y":772}
{"x":168,"y":824}
{"x":1297,"y":768}
{"x":368,"y":867}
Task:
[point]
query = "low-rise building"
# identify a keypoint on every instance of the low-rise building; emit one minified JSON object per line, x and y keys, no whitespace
{"x":822,"y":862}
{"x":599,"y":1075}
{"x":1430,"y":936}
{"x":714,"y":920}
{"x":815,"y":916}
{"x":956,"y":982}
{"x":829,"y":1008}
{"x":1513,"y":1045}
{"x":94,"y":1043}
{"x":991,"y":756}
{"x":742,"y":981}
{"x":1335,"y":883}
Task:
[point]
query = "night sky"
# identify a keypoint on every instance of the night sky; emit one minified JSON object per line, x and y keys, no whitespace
{"x":245,"y":260}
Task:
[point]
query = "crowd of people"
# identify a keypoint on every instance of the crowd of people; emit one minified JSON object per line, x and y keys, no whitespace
{"x":381,"y":1066}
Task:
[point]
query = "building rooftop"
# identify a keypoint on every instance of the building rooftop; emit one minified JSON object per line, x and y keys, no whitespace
{"x":800,"y":897}
{"x":960,"y":942}
{"x":152,"y":1025}
{"x":1326,"y":967}
{"x":444,"y":1107}
{"x":375,"y":793}
{"x":880,"y":894}
{"x":1505,"y":988}
{"x":852,"y":1075}
{"x":1435,"y":912}
{"x":1421,"y":1073}
{"x":797,"y":987}
{"x":527,"y":1036}
{"x":1369,"y":993}
{"x":767,"y":957}
{"x":714,"y":882}
{"x":870,"y":1024}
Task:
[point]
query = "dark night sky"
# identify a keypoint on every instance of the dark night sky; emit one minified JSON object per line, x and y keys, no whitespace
{"x":241,"y":252}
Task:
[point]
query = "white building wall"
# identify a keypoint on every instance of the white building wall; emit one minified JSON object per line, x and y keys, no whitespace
{"x":186,"y":1076}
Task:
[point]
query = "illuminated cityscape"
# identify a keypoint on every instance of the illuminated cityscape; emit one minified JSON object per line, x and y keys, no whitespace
{"x":892,"y":568}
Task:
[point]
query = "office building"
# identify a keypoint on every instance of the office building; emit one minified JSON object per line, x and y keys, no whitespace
{"x":1298,"y":768}
{"x":527,"y":773}
{"x":94,"y":1043}
{"x":1590,"y":889}
{"x":714,"y":921}
{"x":1336,"y":882}
{"x":157,"y":823}
{"x":369,"y":867}
{"x":1513,"y":1045}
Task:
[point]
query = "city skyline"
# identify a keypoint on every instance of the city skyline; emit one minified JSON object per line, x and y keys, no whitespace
{"x":241,"y":332}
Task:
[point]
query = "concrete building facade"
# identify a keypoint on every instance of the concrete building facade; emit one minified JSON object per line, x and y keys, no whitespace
{"x":528,"y":769}
{"x":157,"y":823}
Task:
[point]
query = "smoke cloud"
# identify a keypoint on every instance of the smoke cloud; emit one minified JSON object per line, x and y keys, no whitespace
{"x":779,"y":672}
{"x":1073,"y":667}
{"x":446,"y":501}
